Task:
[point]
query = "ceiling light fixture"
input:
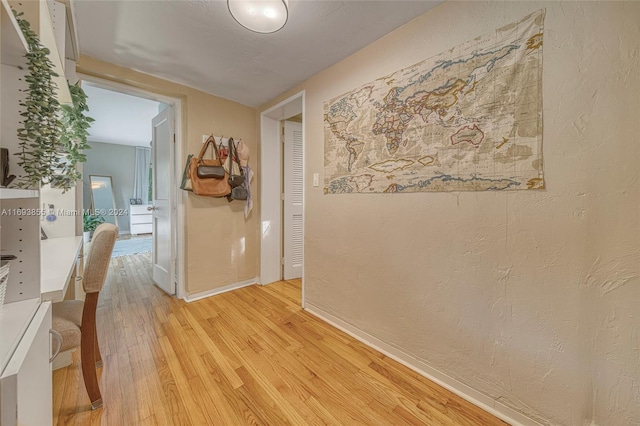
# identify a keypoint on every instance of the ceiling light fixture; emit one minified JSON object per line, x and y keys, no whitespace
{"x":260,"y":16}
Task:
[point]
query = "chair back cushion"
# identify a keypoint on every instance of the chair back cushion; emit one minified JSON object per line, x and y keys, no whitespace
{"x":97,"y":261}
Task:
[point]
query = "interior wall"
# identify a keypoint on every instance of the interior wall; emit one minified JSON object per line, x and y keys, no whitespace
{"x":530,"y":297}
{"x":117,"y":161}
{"x":221,"y":246}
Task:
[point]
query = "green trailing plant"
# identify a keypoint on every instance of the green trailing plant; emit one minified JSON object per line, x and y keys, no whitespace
{"x":91,"y":221}
{"x":53,"y":136}
{"x":75,"y":130}
{"x":38,"y":138}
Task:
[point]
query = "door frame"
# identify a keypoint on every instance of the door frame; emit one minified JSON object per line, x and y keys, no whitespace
{"x":271,"y":169}
{"x":178,"y":198}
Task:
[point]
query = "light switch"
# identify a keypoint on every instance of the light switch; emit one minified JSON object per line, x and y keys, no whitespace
{"x":315,"y":179}
{"x":204,"y":138}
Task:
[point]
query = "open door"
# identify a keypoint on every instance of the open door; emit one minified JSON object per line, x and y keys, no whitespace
{"x":162,"y":157}
{"x":293,"y":200}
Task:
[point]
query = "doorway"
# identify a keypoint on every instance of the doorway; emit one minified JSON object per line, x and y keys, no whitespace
{"x":149,"y":220}
{"x":272,"y":166}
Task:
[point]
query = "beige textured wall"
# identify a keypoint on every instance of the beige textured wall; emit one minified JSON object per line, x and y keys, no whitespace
{"x":221,"y":247}
{"x":532,"y":298}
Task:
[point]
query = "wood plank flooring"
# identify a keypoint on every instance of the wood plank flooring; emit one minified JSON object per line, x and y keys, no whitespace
{"x":247,"y":357}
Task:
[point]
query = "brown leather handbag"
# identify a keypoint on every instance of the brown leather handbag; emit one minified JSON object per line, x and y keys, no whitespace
{"x":205,"y":183}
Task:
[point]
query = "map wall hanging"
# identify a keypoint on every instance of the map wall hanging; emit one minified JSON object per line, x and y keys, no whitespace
{"x":468,"y":119}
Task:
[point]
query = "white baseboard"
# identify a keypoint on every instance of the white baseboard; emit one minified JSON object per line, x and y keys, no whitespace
{"x":197,"y":296}
{"x":465,"y":392}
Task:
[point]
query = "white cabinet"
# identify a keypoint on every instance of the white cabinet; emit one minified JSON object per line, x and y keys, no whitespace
{"x":140,"y":219}
{"x":26,"y":381}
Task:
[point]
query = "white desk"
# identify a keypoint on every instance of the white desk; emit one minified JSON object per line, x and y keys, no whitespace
{"x":58,"y":258}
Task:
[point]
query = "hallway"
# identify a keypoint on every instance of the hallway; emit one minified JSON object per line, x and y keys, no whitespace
{"x":251,"y":356}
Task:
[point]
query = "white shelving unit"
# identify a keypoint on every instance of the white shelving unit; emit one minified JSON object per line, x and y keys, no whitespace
{"x":19,"y":222}
{"x":25,"y":321}
{"x":20,"y":231}
{"x":14,"y":45}
{"x":13,"y":193}
{"x":14,"y":48}
{"x":21,"y":238}
{"x":40,"y":16}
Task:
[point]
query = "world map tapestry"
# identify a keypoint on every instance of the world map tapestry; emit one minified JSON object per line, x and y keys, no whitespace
{"x":468,"y":119}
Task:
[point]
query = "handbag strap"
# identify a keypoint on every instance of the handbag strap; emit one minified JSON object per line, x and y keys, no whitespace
{"x":233,"y":153}
{"x":210,"y":141}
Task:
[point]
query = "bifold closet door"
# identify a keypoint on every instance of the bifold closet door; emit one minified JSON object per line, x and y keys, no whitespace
{"x":293,"y":200}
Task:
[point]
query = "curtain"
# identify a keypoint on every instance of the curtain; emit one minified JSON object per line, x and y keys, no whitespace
{"x":141,"y":174}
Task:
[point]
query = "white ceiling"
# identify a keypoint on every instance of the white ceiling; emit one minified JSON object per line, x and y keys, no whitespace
{"x":120,"y":118}
{"x":199,"y":44}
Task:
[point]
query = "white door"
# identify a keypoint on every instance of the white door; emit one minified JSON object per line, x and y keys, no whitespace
{"x":162,"y":158}
{"x":293,"y":199}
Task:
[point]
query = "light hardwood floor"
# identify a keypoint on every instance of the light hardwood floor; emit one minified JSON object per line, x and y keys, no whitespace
{"x":250,"y":356}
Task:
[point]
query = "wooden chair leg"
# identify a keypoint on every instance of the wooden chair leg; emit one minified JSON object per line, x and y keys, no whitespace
{"x":98,"y":355}
{"x":88,"y":350}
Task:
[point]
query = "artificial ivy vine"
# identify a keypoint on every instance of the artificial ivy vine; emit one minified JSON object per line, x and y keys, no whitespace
{"x":75,"y":129}
{"x":39,"y":137}
{"x":52,"y":136}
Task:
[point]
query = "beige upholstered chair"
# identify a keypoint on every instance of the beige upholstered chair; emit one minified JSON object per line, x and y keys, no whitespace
{"x":75,"y":320}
